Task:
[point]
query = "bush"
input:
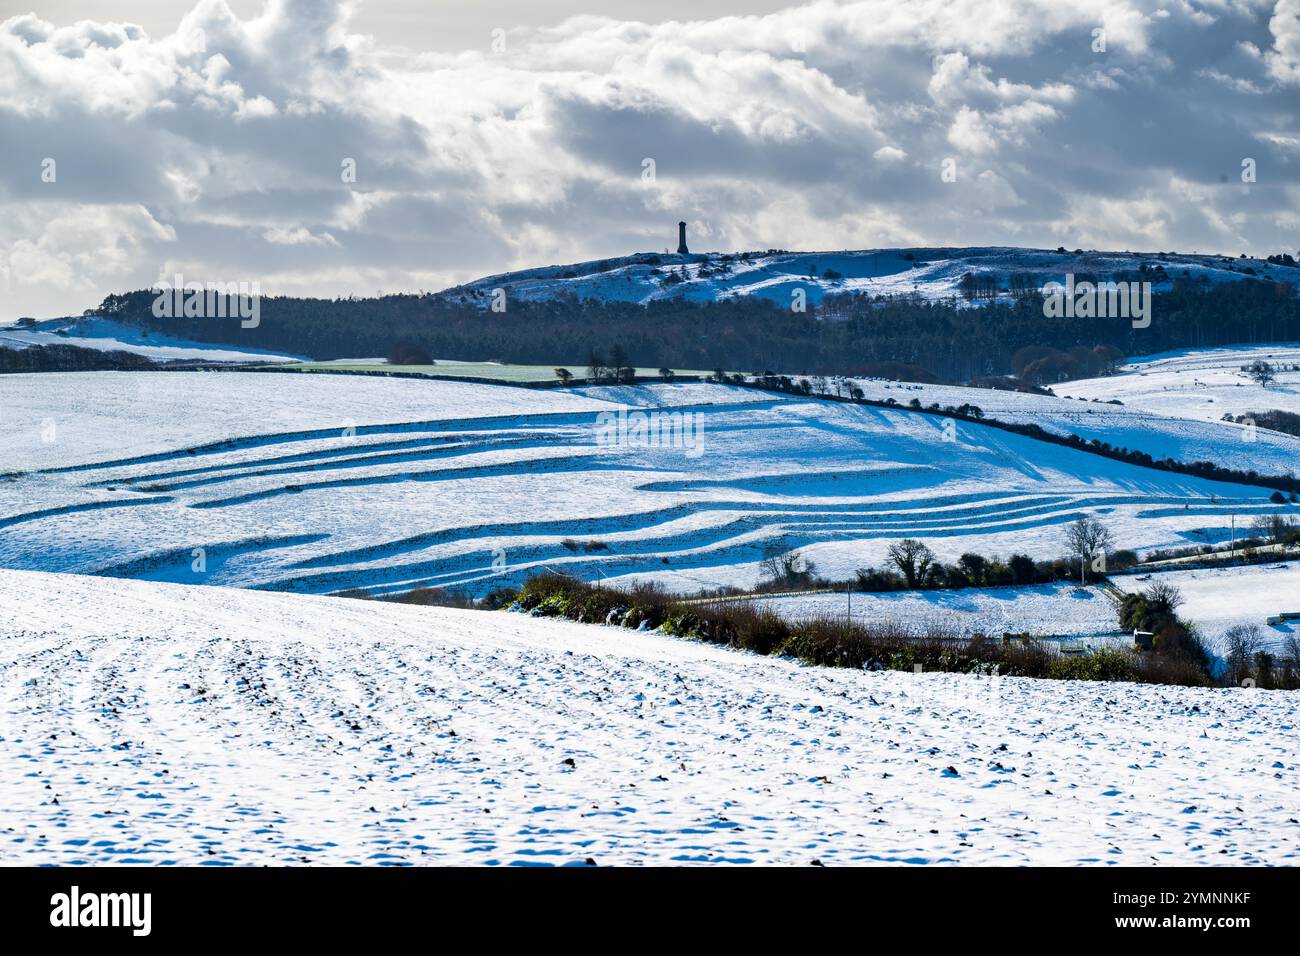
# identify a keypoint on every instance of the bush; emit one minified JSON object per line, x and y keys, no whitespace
{"x":836,"y":642}
{"x":1124,"y":558}
{"x":498,"y":598}
{"x":875,"y":579}
{"x":1022,"y":569}
{"x":1151,"y":610}
{"x":1106,"y":664}
{"x":409,"y":353}
{"x":432,"y":597}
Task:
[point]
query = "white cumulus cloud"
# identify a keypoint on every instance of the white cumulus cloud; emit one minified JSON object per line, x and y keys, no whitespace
{"x":290,"y":149}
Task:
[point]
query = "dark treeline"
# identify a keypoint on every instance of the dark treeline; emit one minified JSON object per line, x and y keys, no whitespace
{"x":69,"y":358}
{"x":1275,"y":419}
{"x":854,"y":334}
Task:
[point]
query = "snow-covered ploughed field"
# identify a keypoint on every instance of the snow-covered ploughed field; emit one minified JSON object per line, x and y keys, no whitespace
{"x":325,"y":483}
{"x":147,"y":718}
{"x":147,"y":723}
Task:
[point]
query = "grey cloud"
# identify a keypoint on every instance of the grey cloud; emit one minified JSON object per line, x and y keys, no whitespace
{"x":219,"y":146}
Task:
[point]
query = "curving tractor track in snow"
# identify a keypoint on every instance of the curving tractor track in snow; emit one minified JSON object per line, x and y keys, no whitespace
{"x":479,"y":500}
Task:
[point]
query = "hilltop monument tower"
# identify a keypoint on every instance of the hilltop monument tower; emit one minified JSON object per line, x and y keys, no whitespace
{"x":681,"y":239}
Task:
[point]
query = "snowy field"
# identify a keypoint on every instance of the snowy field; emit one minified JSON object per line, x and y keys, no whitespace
{"x":323,"y":483}
{"x":1203,"y":385}
{"x":1160,"y":434}
{"x":107,"y":335}
{"x":50,"y":420}
{"x":147,"y":723}
{"x":1049,"y":610}
{"x":1215,"y":599}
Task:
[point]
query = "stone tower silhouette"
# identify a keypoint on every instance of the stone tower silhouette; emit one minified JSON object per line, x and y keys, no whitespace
{"x":681,"y":239}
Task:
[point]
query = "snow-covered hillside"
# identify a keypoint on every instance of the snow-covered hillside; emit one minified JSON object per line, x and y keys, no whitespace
{"x":67,"y":419}
{"x":930,"y":273}
{"x":146,"y":723}
{"x":107,"y":335}
{"x":1201,"y":384}
{"x":1049,"y":610}
{"x":1159,"y":433}
{"x":1214,"y":600}
{"x":325,"y":483}
{"x":1217,"y":598}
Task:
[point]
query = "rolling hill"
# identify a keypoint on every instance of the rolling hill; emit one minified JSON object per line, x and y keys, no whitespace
{"x":146,"y":724}
{"x":929,"y":273}
{"x":1199,"y":384}
{"x":326,"y":483}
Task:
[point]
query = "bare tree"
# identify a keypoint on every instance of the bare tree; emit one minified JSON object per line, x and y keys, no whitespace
{"x":1291,"y":650}
{"x":790,"y":569}
{"x":1275,"y":528}
{"x":913,"y":560}
{"x":1289,"y":658}
{"x":1240,"y":644}
{"x":1163,"y":597}
{"x":1262,"y":372}
{"x":1085,"y":539}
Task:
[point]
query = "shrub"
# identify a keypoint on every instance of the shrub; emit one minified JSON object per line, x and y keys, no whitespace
{"x":407,"y":352}
{"x":1151,"y":610}
{"x":1124,"y":558}
{"x":1106,"y":664}
{"x":432,"y":597}
{"x":1022,"y":569}
{"x":498,"y":598}
{"x":998,"y":575}
{"x":788,"y":570}
{"x":876,"y":579}
{"x":837,"y":642}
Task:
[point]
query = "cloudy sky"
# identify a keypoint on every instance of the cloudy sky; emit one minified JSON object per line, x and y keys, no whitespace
{"x":216,"y":140}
